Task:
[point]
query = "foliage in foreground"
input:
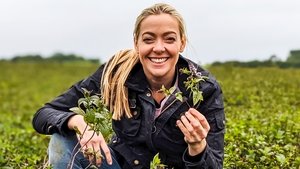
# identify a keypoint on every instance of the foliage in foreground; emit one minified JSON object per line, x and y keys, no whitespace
{"x":262,"y":111}
{"x":23,"y":89}
{"x":263,"y":114}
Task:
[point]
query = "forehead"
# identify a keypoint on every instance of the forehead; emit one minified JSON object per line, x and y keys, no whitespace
{"x":159,"y":24}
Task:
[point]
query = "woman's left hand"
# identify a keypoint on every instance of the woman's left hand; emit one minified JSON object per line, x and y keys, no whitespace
{"x":195,"y":127}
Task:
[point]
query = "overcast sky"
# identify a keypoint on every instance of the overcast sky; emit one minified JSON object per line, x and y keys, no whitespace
{"x":218,"y":30}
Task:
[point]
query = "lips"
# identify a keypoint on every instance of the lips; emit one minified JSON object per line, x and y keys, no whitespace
{"x":158,"y":60}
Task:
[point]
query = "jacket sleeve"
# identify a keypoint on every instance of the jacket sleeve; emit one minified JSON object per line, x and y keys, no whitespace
{"x":212,"y":108}
{"x":53,"y":116}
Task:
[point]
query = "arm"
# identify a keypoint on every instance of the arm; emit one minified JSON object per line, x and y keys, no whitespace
{"x":53,"y":116}
{"x":206,"y":149}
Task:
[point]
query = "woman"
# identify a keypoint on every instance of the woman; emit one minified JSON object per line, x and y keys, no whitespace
{"x":145,"y":121}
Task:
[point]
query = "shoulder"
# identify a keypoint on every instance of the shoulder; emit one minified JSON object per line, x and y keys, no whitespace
{"x":97,"y":75}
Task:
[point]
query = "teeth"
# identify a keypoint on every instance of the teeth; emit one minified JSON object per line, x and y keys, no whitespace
{"x":158,"y":60}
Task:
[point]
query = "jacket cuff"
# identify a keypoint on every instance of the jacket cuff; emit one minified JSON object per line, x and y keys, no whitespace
{"x":197,"y":160}
{"x":62,"y":126}
{"x":65,"y":131}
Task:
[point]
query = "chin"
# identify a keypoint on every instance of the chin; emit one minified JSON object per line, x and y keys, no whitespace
{"x":158,"y":74}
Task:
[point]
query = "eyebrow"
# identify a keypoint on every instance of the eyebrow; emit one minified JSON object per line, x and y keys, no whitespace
{"x":164,"y":34}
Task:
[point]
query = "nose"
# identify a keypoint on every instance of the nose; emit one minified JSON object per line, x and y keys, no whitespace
{"x":159,"y":47}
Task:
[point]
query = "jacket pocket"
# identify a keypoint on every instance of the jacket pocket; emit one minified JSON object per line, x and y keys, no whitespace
{"x":215,"y":137}
{"x":217,"y":123}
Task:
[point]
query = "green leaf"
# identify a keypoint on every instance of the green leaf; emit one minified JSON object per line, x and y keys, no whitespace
{"x":77,"y":131}
{"x":86,"y":93}
{"x":185,"y":71}
{"x":95,"y":98}
{"x":156,"y":162}
{"x":178,"y":96}
{"x":89,"y":117}
{"x":83,"y":101}
{"x":280,"y":158}
{"x":99,"y":116}
{"x":77,"y":110}
{"x":172,"y":89}
{"x":196,"y":80}
{"x":197,"y":96}
{"x":166,"y":91}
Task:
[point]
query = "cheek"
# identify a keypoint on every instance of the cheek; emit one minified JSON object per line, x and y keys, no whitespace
{"x":142,"y":58}
{"x":175,"y":47}
{"x":144,"y":50}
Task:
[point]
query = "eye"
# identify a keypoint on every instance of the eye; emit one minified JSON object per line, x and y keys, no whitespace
{"x":170,"y":39}
{"x":148,"y":40}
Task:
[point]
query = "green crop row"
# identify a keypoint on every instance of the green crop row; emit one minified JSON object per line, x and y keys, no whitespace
{"x":262,"y":113}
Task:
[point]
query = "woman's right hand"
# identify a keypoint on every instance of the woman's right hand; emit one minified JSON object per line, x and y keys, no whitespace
{"x":91,"y":143}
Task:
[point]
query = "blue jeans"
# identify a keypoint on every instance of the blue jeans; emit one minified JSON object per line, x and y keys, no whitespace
{"x":60,"y":154}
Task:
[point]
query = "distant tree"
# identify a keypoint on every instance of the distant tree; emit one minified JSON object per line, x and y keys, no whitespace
{"x":60,"y":57}
{"x":27,"y":58}
{"x":274,"y":58}
{"x":217,"y":63}
{"x":294,"y":56}
{"x":94,"y":61}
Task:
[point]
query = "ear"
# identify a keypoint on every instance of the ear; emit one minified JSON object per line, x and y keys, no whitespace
{"x":135,"y":44}
{"x":183,"y":44}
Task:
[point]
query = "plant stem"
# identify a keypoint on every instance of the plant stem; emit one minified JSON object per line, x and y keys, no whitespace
{"x":70,"y":165}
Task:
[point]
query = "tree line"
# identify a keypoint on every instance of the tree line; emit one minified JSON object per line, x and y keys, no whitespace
{"x":293,"y":61}
{"x":56,"y":57}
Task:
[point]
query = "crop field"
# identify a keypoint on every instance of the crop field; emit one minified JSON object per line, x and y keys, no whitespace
{"x":262,"y":113}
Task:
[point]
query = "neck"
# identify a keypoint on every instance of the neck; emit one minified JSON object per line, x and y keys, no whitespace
{"x":157,"y":82}
{"x":155,"y":86}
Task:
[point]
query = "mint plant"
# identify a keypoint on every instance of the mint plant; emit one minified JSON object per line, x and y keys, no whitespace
{"x":192,"y":83}
{"x":97,"y":117}
{"x":95,"y":114}
{"x":156,"y":163}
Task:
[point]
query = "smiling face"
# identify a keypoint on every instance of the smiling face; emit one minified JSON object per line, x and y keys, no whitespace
{"x":158,"y":45}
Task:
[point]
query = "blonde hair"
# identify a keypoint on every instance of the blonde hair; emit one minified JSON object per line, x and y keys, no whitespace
{"x":116,"y":71}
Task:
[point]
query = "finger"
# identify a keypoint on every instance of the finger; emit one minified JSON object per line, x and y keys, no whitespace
{"x":97,"y":155}
{"x":192,"y":125}
{"x":89,"y":152}
{"x":185,"y":121}
{"x":201,"y":118}
{"x":195,"y":123}
{"x":189,"y":137}
{"x":183,"y":129}
{"x":204,"y":126}
{"x":83,"y":150}
{"x":106,"y":152}
{"x":198,"y":131}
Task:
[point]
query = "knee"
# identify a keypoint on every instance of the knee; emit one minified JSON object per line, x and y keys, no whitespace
{"x":60,"y":149}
